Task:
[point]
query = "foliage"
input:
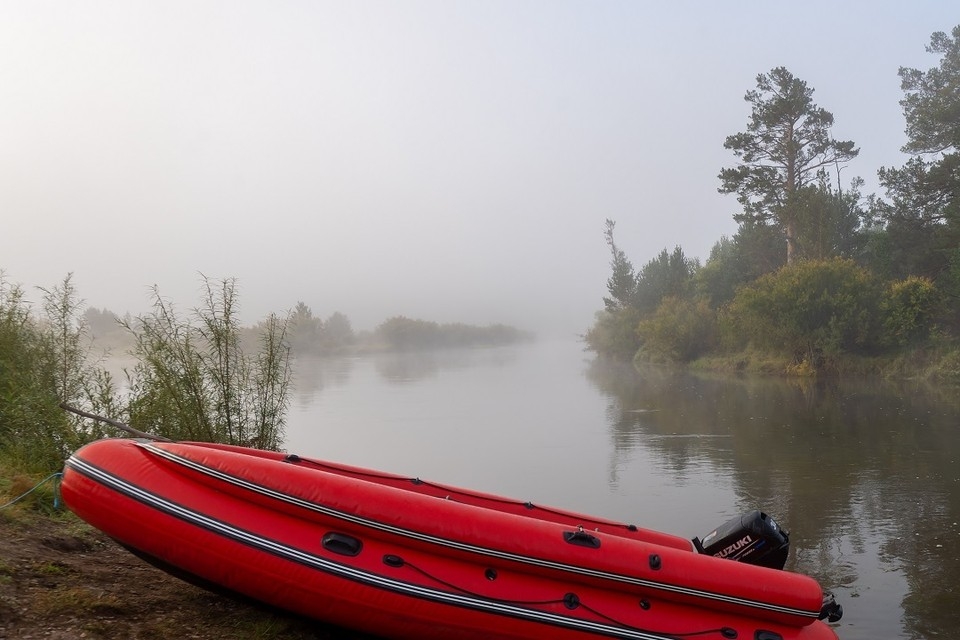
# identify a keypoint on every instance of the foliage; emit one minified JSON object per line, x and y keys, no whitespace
{"x":809,"y":310}
{"x":859,"y":276}
{"x":614,"y":334}
{"x":829,"y":223}
{"x":922,"y":229}
{"x":193,"y":380}
{"x":633,"y":295}
{"x":680,"y":330}
{"x":309,"y":334}
{"x":752,"y":252}
{"x":402,"y":334}
{"x":622,"y":283}
{"x":718,"y":279}
{"x":922,"y":214}
{"x":930,"y":103}
{"x":337,"y":332}
{"x":34,"y":434}
{"x":908,"y":307}
{"x":203,"y":377}
{"x":304,"y":329}
{"x":669,"y":274}
{"x":786,"y":146}
{"x":101,"y":323}
{"x":44,"y":361}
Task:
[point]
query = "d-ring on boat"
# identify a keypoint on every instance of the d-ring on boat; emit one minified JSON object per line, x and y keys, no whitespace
{"x":402,"y":558}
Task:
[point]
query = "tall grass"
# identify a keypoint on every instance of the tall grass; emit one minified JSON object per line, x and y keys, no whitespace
{"x":40,"y":363}
{"x":193,"y":378}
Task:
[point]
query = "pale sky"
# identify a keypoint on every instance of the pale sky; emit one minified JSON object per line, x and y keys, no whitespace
{"x":444,"y":160}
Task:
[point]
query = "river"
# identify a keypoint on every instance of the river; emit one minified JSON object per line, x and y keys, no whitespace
{"x":864,"y":475}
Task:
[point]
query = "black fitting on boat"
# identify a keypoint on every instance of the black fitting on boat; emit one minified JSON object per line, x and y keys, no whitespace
{"x":645,"y":604}
{"x":490,"y":574}
{"x":728,"y":632}
{"x":582,"y":539}
{"x":393,"y":561}
{"x":292,"y":457}
{"x":342,"y":544}
{"x":763,"y":634}
{"x":655,"y":562}
{"x":571,"y":601}
{"x":831,"y":610}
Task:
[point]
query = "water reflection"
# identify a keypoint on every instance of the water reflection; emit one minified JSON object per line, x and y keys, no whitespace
{"x":415,"y":366}
{"x":313,"y":373}
{"x":863,"y":475}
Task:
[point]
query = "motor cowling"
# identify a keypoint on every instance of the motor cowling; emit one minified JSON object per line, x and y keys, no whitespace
{"x":754,"y":538}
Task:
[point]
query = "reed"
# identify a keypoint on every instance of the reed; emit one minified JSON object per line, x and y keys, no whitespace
{"x":200,"y":377}
{"x":194,"y":379}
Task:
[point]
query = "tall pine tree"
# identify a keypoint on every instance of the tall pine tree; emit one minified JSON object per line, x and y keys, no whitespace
{"x":786,"y":146}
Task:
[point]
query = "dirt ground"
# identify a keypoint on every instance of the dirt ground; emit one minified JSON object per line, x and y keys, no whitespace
{"x":61,"y":580}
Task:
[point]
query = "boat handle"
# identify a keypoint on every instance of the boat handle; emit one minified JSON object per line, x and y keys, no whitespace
{"x":582,"y":539}
{"x":341,"y":543}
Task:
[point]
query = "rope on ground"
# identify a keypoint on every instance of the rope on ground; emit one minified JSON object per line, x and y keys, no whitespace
{"x":56,"y":491}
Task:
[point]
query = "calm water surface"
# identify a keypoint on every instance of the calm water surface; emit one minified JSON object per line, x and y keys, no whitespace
{"x":864,"y":476}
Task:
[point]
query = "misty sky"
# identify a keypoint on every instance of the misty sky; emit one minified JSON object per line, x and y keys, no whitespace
{"x":444,"y":160}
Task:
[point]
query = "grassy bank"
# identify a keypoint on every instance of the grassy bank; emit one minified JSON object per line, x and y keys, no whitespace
{"x":927,"y":365}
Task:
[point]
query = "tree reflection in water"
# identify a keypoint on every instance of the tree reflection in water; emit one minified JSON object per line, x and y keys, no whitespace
{"x":863,"y":474}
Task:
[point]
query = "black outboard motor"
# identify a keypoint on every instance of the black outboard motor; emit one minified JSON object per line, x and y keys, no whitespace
{"x":754,"y":538}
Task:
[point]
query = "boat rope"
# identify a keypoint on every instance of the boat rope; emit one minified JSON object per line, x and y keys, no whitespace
{"x":449,"y":543}
{"x":570,"y":601}
{"x":451,"y":491}
{"x":56,"y":491}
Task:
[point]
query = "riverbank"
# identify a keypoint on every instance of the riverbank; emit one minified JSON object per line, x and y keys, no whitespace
{"x":936,"y":366}
{"x":61,"y":580}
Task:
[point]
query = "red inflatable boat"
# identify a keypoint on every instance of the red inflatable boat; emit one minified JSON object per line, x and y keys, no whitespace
{"x":402,"y":558}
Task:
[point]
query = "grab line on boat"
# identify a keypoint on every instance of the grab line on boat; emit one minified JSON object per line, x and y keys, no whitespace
{"x":273,"y":547}
{"x":462,"y":546}
{"x":570,"y":600}
{"x":295,"y":459}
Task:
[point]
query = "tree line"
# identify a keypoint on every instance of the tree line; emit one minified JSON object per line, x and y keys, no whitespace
{"x":307,"y":333}
{"x":816,"y":273}
{"x":310,"y":334}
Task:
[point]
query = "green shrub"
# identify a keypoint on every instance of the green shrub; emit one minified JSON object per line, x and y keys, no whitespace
{"x":810,"y":310}
{"x":194,"y":381}
{"x":679,"y":330}
{"x":42,"y":363}
{"x":614,"y":334}
{"x":908,"y":308}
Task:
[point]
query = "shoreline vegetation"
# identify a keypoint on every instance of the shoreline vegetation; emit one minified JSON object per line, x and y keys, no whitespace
{"x":818,"y":280}
{"x":200,"y":376}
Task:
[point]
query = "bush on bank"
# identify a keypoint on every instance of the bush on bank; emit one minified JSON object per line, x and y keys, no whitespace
{"x":194,"y":377}
{"x":815,"y":316}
